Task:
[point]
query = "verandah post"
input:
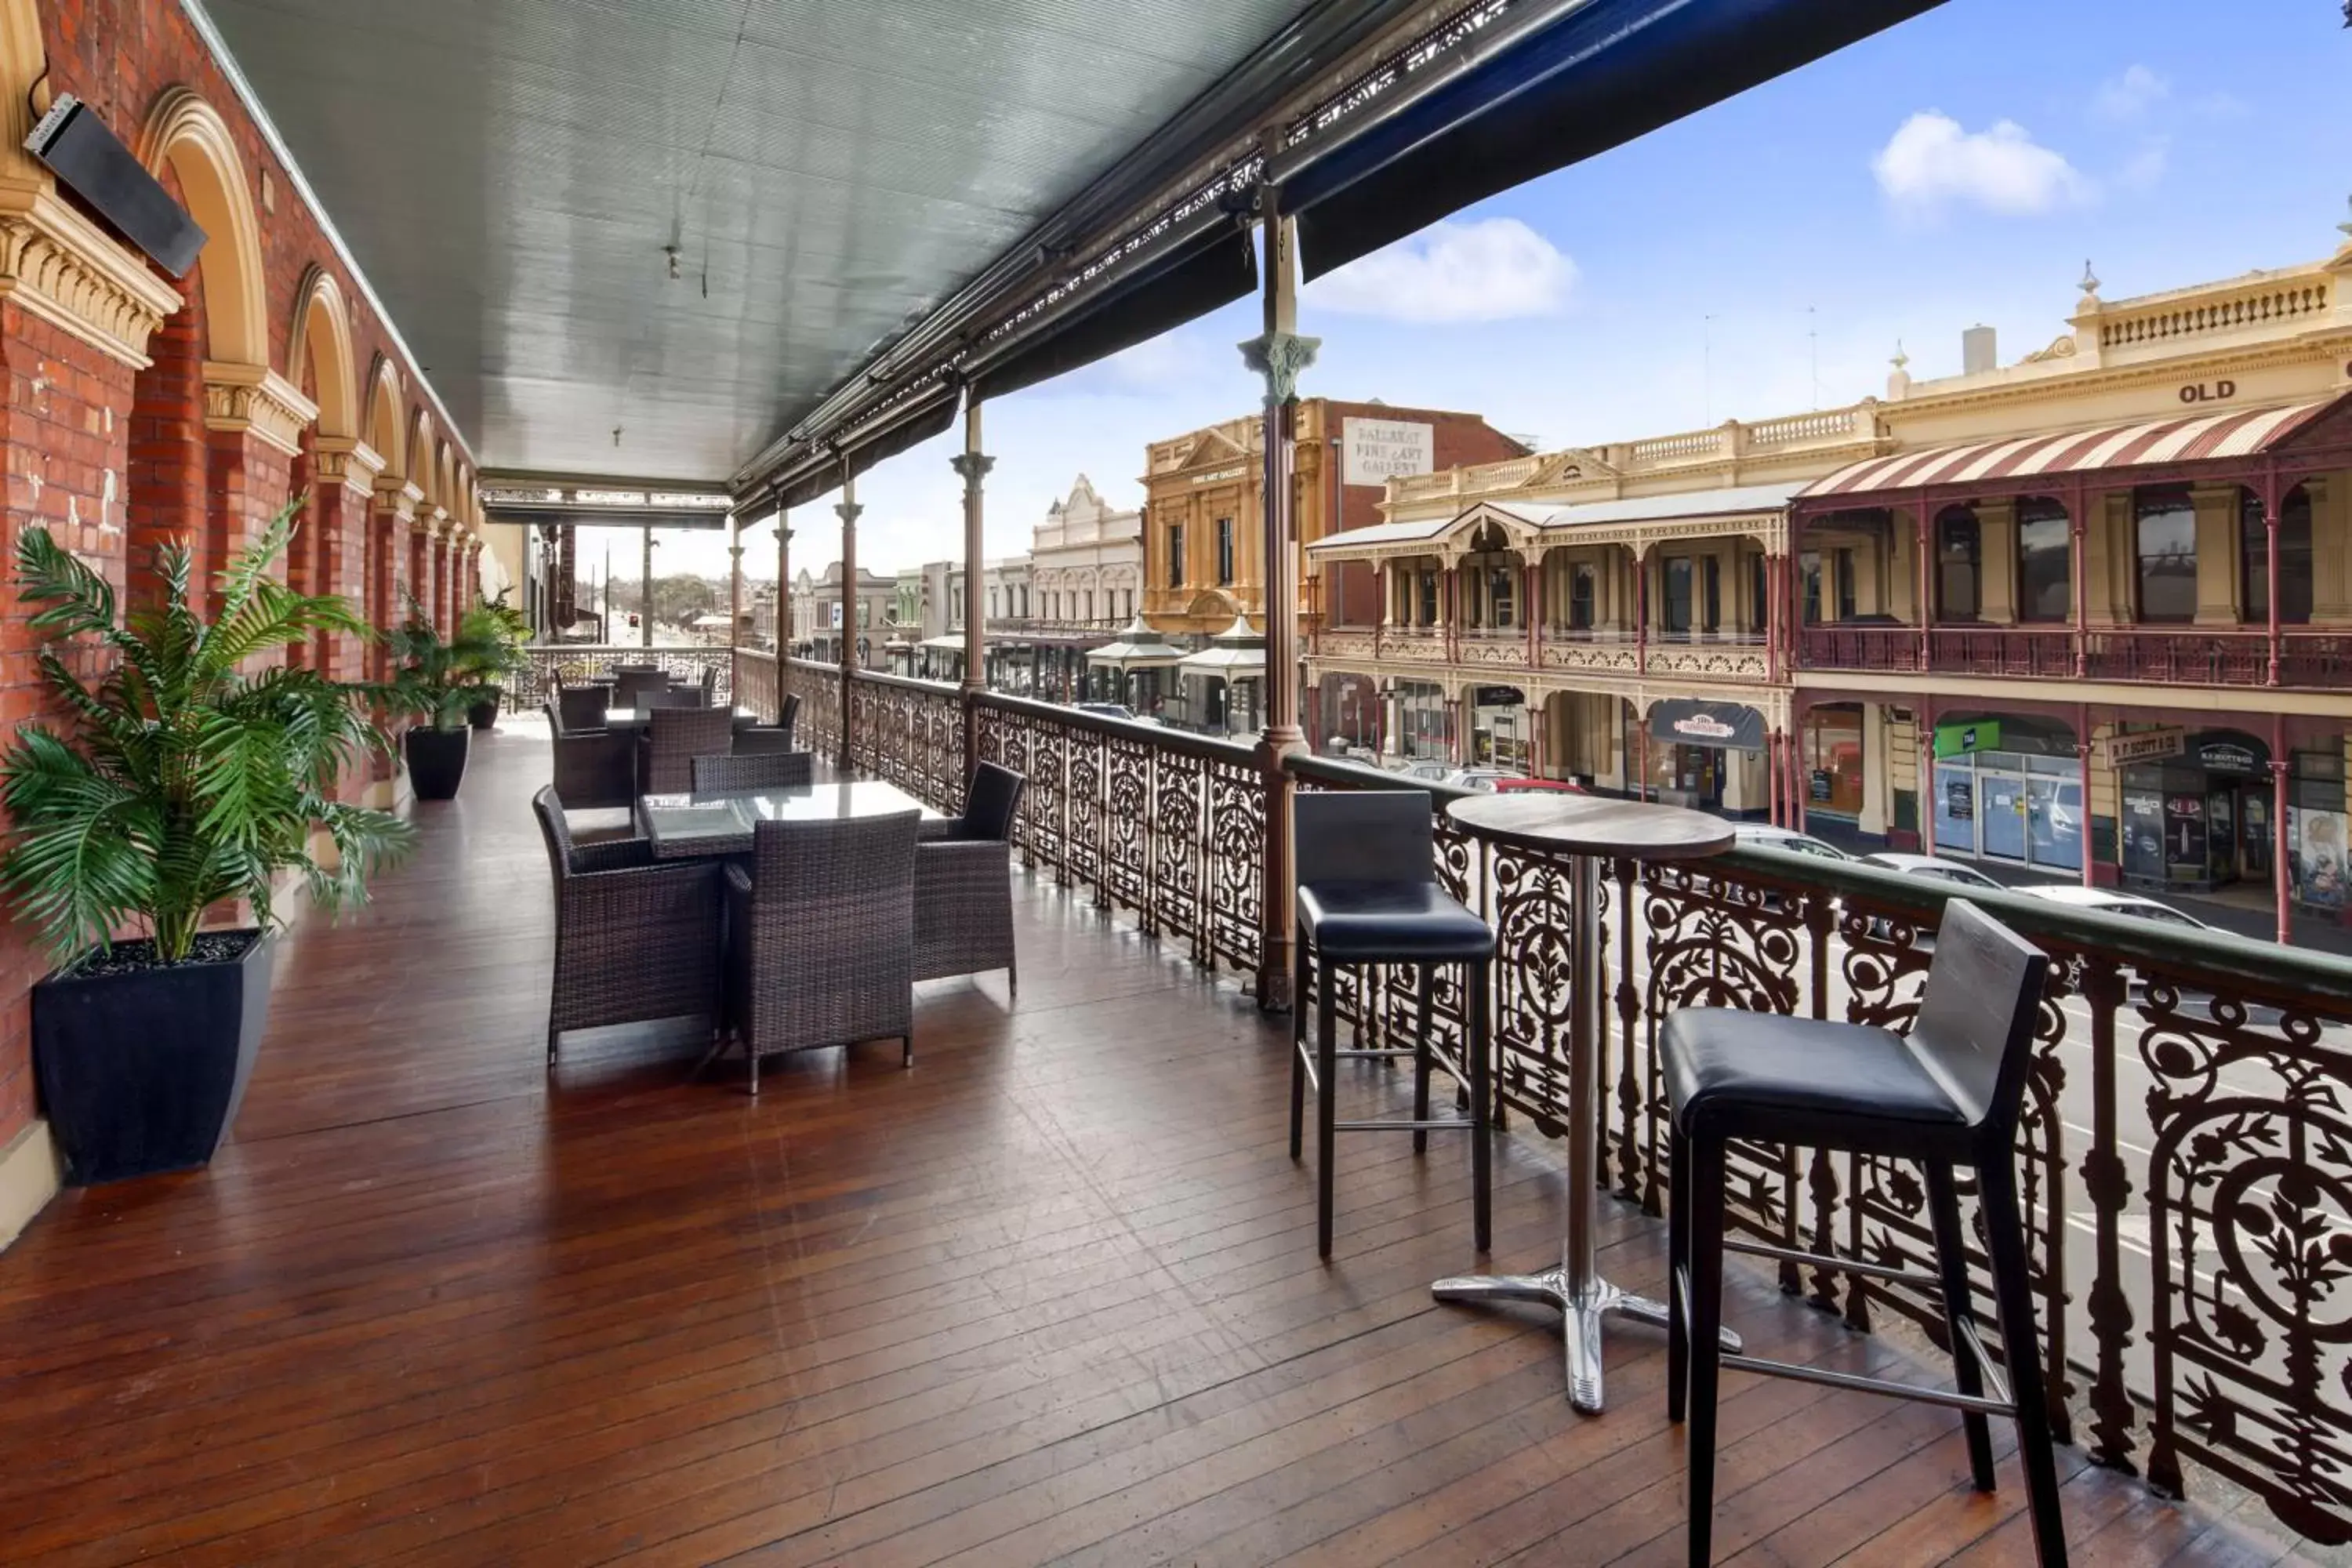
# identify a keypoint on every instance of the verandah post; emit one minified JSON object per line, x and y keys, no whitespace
{"x":974,"y":467}
{"x":848,"y":511}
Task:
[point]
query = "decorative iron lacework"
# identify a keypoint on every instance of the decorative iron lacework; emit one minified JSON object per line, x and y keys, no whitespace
{"x":1395,"y":68}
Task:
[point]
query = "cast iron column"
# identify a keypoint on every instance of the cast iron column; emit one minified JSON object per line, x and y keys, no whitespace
{"x":972,"y":465}
{"x":783,"y":599}
{"x":848,"y":511}
{"x":1278,"y":355}
{"x":645,"y":602}
{"x":734,"y":578}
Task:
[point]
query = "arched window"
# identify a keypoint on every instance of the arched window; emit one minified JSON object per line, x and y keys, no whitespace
{"x":2294,"y":558}
{"x":2044,"y":561}
{"x":1960,"y":565}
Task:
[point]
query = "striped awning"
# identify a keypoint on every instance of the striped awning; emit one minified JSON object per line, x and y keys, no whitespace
{"x":2239,"y":433}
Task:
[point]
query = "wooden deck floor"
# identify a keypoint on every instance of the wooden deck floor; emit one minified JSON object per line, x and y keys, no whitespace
{"x":1052,"y":1296}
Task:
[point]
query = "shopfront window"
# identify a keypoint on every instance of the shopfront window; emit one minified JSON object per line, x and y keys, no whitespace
{"x":1758,"y":595}
{"x":1809,"y":574}
{"x":1831,"y":751}
{"x":1710,"y":605}
{"x":1842,"y":563}
{"x":1959,"y":566}
{"x":1428,"y":598}
{"x":2294,"y":558}
{"x":1175,"y":554}
{"x":2045,"y":558}
{"x":1499,"y":606}
{"x":2167,"y":527}
{"x":1224,"y":551}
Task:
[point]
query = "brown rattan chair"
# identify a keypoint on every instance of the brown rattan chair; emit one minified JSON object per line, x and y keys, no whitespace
{"x":595,"y":770}
{"x":634,"y":940}
{"x":709,"y":685}
{"x":677,"y":697}
{"x":760,"y":740}
{"x":746,"y":775}
{"x":633,"y":683}
{"x":675,"y":737}
{"x":821,"y":937}
{"x":963,"y":883}
{"x":582,"y":708}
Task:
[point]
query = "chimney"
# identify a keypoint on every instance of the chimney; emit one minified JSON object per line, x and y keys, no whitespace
{"x":1978,"y":354}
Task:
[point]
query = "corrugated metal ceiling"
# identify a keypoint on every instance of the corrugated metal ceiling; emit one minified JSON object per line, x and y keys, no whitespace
{"x":507,"y":172}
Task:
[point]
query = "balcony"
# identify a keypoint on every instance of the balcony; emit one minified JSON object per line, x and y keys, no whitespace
{"x":2164,"y":656}
{"x":1053,"y":1295}
{"x":1739,"y":656}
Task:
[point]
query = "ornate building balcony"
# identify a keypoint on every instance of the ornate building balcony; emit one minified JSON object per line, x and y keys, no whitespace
{"x":2163,"y":656}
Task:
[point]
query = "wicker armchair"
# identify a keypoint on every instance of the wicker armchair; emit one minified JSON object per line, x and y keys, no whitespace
{"x":634,"y":940}
{"x":760,"y":740}
{"x":963,"y":884}
{"x":746,"y":775}
{"x":675,"y":737}
{"x":821,"y":937}
{"x":632,"y":685}
{"x":582,"y":708}
{"x":709,"y":685}
{"x":595,"y":769}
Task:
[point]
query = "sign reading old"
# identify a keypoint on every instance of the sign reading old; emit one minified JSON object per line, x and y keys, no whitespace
{"x":1379,"y":450}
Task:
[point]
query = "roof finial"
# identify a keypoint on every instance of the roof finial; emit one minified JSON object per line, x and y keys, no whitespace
{"x":2345,"y":229}
{"x":2090,"y":284}
{"x":1900,"y":359}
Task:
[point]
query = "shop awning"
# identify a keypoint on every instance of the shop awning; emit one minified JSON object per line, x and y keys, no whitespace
{"x":1237,"y":653}
{"x":2148,"y":443}
{"x":1724,"y":726}
{"x":1138,"y":647}
{"x":1561,"y":523}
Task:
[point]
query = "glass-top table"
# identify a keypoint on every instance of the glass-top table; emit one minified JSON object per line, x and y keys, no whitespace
{"x":684,"y":826}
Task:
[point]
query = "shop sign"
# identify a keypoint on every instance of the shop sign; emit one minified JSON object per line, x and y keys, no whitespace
{"x":2208,"y":392}
{"x":1959,"y":739}
{"x":2142,"y":746}
{"x":1820,"y":792}
{"x":1379,"y":450}
{"x":1221,"y":475}
{"x":1496,"y":697}
{"x":1959,"y":799}
{"x":1725,"y":726}
{"x":2318,"y":839}
{"x":2229,"y":757}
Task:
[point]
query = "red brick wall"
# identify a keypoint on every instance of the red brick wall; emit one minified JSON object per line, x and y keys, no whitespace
{"x":68,"y":435}
{"x":1351,"y":596}
{"x":115,"y":462}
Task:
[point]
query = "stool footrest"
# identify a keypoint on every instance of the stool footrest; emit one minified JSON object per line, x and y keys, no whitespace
{"x":1983,"y":1405}
{"x":1451,"y":1123}
{"x":1831,"y":1260}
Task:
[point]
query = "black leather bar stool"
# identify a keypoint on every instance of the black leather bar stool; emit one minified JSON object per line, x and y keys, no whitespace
{"x":1369,"y":894}
{"x":1946,"y":1096}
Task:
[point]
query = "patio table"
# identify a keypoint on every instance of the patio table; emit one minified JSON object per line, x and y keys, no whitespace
{"x":1592,"y":830}
{"x":637,"y":721}
{"x":684,"y":826}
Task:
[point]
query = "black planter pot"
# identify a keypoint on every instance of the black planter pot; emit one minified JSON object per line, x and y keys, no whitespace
{"x":485,"y":713}
{"x":437,"y":761}
{"x":142,"y":1069}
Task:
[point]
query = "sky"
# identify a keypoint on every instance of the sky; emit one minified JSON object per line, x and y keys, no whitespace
{"x":1762,"y":257}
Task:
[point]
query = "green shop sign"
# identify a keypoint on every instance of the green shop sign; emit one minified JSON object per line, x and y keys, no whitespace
{"x":1959,"y":739}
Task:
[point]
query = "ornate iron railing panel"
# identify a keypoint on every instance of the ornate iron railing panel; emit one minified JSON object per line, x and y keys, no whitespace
{"x":580,"y":662}
{"x":757,"y":684}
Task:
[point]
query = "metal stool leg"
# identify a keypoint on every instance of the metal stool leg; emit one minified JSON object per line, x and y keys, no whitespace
{"x":1481,"y":1152}
{"x":1952,"y":1259}
{"x":1326,"y":1107}
{"x":1298,"y":1045}
{"x":1423,"y":985}
{"x":1705,"y":1167}
{"x":2022,"y":1352}
{"x":1678,"y":1256}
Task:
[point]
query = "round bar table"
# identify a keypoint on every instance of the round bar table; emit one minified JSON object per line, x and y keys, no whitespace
{"x":1591,"y":830}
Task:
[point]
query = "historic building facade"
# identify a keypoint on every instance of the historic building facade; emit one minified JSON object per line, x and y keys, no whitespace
{"x":2088,"y":611}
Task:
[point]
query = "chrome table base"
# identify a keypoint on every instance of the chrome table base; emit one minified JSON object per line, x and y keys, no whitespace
{"x":1581,"y":1313}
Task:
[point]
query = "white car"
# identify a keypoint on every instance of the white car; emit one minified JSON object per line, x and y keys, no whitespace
{"x":2107,"y":901}
{"x":1933,"y":866}
{"x":1483,"y":780}
{"x":1762,"y":835}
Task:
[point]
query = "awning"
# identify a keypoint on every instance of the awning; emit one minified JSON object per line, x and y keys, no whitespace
{"x":1607,"y":72}
{"x":1237,"y":653}
{"x":2240,"y":433}
{"x":1137,"y":646}
{"x":1724,"y":726}
{"x":1558,"y":522}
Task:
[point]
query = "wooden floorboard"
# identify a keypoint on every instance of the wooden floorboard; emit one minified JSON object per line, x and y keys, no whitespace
{"x":1049,"y":1297}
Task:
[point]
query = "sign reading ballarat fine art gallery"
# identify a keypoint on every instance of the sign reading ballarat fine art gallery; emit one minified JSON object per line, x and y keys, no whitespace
{"x":1725,"y":726}
{"x":1380,"y":450}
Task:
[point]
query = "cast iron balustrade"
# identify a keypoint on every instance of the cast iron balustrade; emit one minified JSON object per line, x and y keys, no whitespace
{"x":2186,"y":1163}
{"x":580,"y":662}
{"x":2164,"y":656}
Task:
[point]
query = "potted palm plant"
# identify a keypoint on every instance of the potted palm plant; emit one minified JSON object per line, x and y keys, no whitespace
{"x":438,"y":681}
{"x":181,"y":781}
{"x":499,"y":630}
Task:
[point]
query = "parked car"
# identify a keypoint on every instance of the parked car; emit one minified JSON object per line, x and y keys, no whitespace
{"x":1547,"y":786}
{"x":1426,"y":770}
{"x":1107,"y":710}
{"x":1763,"y":836}
{"x":1485,"y":781}
{"x":1932,"y":866}
{"x":2107,"y":901}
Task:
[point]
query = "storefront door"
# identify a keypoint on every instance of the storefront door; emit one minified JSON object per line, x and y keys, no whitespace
{"x":2053,"y":817}
{"x":1956,"y":809}
{"x":2003,"y":813}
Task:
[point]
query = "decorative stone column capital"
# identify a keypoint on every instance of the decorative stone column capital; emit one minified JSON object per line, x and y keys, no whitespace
{"x":345,"y":460}
{"x":1280,"y":358}
{"x":849,"y":511}
{"x":255,"y":400}
{"x":972,"y":465}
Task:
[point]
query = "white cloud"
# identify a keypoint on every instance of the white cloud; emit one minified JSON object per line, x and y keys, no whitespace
{"x":1930,"y":164}
{"x":1490,"y":269}
{"x":2130,"y":95}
